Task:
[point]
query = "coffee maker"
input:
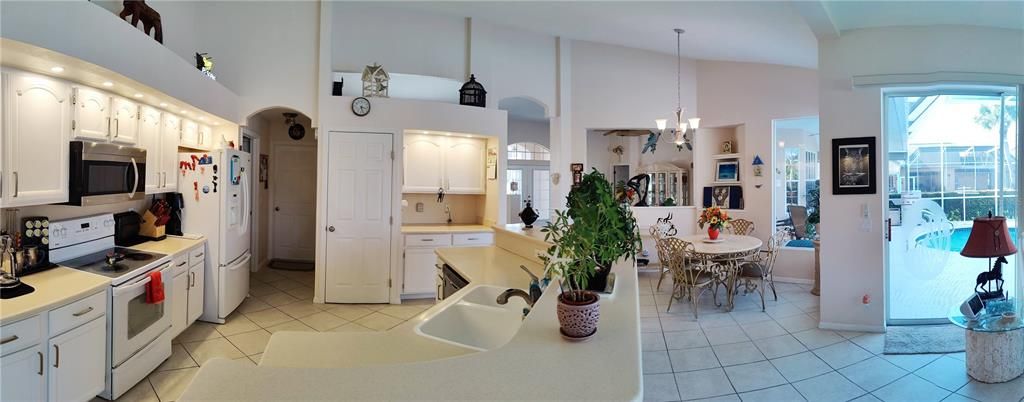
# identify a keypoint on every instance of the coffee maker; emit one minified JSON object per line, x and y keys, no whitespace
{"x":177,"y":202}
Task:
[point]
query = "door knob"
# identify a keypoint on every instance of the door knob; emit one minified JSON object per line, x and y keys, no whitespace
{"x":277,"y":209}
{"x":330,"y":228}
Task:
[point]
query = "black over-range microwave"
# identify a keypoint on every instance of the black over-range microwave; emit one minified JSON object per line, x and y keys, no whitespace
{"x":106,"y":173}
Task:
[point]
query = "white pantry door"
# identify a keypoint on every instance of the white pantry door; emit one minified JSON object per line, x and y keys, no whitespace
{"x":294,"y":213}
{"x":358,"y":237}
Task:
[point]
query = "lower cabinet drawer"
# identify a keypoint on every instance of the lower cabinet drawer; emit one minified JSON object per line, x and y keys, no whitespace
{"x":472,"y":239}
{"x":21,"y":334}
{"x":428,"y":240}
{"x":78,"y":313}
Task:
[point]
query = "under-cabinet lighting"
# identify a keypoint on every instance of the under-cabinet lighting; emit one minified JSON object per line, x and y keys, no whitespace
{"x":108,"y":84}
{"x":57,"y":69}
{"x":184,"y":112}
{"x":202,"y":118}
{"x":138,"y":95}
{"x":163,"y":104}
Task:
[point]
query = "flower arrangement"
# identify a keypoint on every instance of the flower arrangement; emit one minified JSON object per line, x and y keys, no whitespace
{"x":715,"y":218}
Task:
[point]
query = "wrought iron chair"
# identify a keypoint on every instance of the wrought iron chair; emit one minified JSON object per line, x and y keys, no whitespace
{"x":659,"y":231}
{"x":798,"y":214}
{"x":689,"y":276}
{"x":741,"y":227}
{"x":755,"y":274}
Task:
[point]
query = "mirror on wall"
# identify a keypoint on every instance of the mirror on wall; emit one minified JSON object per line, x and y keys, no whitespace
{"x":619,"y":155}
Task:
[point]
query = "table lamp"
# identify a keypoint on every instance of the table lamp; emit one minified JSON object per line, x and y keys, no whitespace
{"x":990,"y":238}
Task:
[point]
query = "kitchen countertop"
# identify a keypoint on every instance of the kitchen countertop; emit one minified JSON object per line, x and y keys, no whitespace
{"x":535,"y":364}
{"x":171,"y":245}
{"x":444,"y":228}
{"x":54,"y":287}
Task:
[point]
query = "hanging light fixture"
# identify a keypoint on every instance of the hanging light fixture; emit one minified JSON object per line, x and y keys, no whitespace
{"x":681,"y":134}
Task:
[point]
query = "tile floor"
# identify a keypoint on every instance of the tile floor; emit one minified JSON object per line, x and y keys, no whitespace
{"x":781,"y":355}
{"x":279,"y":300}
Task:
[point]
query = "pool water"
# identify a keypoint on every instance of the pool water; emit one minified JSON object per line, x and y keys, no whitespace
{"x":959,"y":238}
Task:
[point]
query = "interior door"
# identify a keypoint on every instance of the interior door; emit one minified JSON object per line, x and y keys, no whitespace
{"x":294,"y":202}
{"x":358,"y":238}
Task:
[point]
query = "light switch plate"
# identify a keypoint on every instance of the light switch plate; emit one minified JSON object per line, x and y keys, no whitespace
{"x":419,"y":207}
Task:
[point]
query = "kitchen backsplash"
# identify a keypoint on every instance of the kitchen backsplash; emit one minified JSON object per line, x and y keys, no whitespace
{"x":466,"y":209}
{"x":62,"y":212}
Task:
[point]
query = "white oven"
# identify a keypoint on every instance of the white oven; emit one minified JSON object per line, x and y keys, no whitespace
{"x":135,"y":323}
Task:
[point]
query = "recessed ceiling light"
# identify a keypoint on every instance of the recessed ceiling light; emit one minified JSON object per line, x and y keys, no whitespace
{"x":138,"y":95}
{"x":216,"y":123}
{"x":108,"y":84}
{"x":448,"y":134}
{"x":202,"y":118}
{"x":57,"y":69}
{"x":163,"y":104}
{"x":184,"y":112}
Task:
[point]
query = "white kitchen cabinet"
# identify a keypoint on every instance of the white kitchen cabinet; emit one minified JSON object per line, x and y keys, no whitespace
{"x":189,"y":134}
{"x":195,"y":291}
{"x":206,"y":140}
{"x":424,"y":163}
{"x":170,"y":135}
{"x":92,"y":114}
{"x":24,"y":376}
{"x":150,"y":140}
{"x":420,"y":272}
{"x":433,"y":162}
{"x":179,"y":303}
{"x":37,"y":124}
{"x":124,"y":128}
{"x":78,"y":360}
{"x":464,"y":166}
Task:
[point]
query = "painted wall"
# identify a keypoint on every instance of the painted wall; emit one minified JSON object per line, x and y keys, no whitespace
{"x":753,"y":94}
{"x":514,"y":63}
{"x":523,"y":130}
{"x":852,"y":255}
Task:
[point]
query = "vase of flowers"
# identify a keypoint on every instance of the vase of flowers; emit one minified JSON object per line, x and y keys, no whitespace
{"x":716,"y":219}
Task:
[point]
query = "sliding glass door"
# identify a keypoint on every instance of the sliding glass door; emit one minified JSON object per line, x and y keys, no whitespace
{"x":951,"y":156}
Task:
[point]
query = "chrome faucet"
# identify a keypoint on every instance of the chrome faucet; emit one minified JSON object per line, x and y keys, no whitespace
{"x":448,"y":211}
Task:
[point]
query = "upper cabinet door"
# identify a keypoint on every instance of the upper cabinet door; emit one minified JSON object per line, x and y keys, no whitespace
{"x":424,"y":163}
{"x":464,"y":166}
{"x":149,"y":139}
{"x":125,"y":126}
{"x":92,"y":114}
{"x":205,"y":138}
{"x":170,"y":133}
{"x":189,"y":133}
{"x":36,"y":134}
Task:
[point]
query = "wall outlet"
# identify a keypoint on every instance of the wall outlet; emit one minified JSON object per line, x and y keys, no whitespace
{"x":865,"y":218}
{"x":419,"y":207}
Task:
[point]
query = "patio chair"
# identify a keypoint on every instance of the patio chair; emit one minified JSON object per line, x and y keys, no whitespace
{"x":741,"y":227}
{"x":754,"y":275}
{"x":798,"y":213}
{"x":658,"y":234}
{"x":688,"y":279}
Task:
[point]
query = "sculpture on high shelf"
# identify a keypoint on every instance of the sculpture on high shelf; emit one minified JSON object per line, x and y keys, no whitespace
{"x":140,"y":11}
{"x":375,"y":81}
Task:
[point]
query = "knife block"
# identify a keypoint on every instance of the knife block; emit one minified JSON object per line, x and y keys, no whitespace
{"x":150,"y":229}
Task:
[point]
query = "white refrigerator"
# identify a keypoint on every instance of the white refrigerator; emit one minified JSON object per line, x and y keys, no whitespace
{"x":218,"y":203}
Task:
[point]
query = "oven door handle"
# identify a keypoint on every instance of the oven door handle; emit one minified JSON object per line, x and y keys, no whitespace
{"x":135,"y":184}
{"x":118,"y":291}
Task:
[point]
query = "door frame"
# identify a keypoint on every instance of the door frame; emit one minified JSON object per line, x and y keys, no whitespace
{"x":395,"y":273}
{"x":270,"y":196}
{"x":947,"y":88}
{"x":254,"y":217}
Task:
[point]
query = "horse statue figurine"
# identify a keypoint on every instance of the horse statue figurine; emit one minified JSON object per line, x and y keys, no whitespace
{"x":994,"y":275}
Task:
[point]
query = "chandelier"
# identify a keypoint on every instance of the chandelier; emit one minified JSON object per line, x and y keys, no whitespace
{"x":682,"y":133}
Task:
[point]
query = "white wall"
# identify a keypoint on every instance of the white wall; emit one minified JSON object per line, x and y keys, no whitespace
{"x":852,"y":261}
{"x":524,"y":130}
{"x":514,"y":63}
{"x":753,"y":94}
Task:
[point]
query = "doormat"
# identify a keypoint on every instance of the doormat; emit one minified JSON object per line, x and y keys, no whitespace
{"x":915,"y":339}
{"x":291,"y":265}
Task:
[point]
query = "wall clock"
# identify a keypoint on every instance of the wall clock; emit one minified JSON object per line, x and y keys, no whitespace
{"x":361,"y":106}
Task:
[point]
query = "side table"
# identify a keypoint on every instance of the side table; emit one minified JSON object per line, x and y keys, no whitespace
{"x":994,"y":347}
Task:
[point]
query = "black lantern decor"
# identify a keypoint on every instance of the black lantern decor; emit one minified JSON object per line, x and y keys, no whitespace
{"x":472,"y":93}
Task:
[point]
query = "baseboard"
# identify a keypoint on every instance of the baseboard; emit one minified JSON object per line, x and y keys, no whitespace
{"x":800,"y":281}
{"x":836,"y":326}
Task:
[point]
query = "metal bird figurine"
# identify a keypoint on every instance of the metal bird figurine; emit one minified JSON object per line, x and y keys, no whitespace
{"x":652,"y":142}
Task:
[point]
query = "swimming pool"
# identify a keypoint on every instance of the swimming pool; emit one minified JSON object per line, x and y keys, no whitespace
{"x":958,"y":239}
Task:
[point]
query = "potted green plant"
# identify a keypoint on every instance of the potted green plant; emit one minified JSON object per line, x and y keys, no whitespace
{"x":814,"y":206}
{"x":588,"y":237}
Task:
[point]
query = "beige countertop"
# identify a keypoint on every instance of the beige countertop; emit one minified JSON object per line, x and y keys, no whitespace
{"x":443,"y":228}
{"x":171,"y":245}
{"x":535,"y":364}
{"x":54,"y":287}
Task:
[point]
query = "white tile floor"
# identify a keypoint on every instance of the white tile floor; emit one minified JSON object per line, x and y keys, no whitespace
{"x":780,"y":355}
{"x":279,"y":300}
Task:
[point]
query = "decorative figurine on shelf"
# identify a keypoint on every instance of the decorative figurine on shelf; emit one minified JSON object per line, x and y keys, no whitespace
{"x":473,"y":93}
{"x":727,"y":147}
{"x":375,"y":81}
{"x":639,"y":184}
{"x":990,"y":238}
{"x":205,"y":64}
{"x":140,"y":11}
{"x":529,"y":216}
{"x":758,"y":166}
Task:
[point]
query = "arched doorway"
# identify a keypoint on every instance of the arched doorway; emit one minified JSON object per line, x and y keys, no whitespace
{"x":528,"y":176}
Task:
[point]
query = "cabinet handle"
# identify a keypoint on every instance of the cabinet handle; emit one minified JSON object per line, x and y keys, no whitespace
{"x":15,"y":184}
{"x":426,"y":239}
{"x":199,"y":255}
{"x":191,"y":279}
{"x":56,"y":362}
{"x":108,"y":126}
{"x":9,"y":339}
{"x":117,"y":128}
{"x":182,"y":263}
{"x":83,"y":312}
{"x":472,"y":238}
{"x":40,"y":362}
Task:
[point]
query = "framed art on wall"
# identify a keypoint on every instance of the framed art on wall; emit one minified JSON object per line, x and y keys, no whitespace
{"x":727,"y":171}
{"x":853,"y":165}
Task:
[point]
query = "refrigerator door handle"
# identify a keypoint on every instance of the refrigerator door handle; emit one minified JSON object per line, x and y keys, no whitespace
{"x":237,"y":262}
{"x":245,"y":202}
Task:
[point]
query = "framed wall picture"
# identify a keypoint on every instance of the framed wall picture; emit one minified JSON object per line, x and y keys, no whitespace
{"x":853,"y":165}
{"x":577,"y":173}
{"x":726,"y":171}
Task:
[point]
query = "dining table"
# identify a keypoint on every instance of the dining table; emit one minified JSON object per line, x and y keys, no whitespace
{"x":723,"y":257}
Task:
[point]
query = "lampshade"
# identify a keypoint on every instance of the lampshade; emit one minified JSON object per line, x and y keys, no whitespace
{"x":694,"y":122}
{"x":989,"y":238}
{"x":661,"y":124}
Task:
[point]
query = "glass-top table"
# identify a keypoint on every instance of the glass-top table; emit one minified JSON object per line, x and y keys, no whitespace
{"x":986,"y":322}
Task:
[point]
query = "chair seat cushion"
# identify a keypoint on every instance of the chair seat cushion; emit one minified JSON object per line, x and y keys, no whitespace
{"x":694,"y":277}
{"x":751,"y":270}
